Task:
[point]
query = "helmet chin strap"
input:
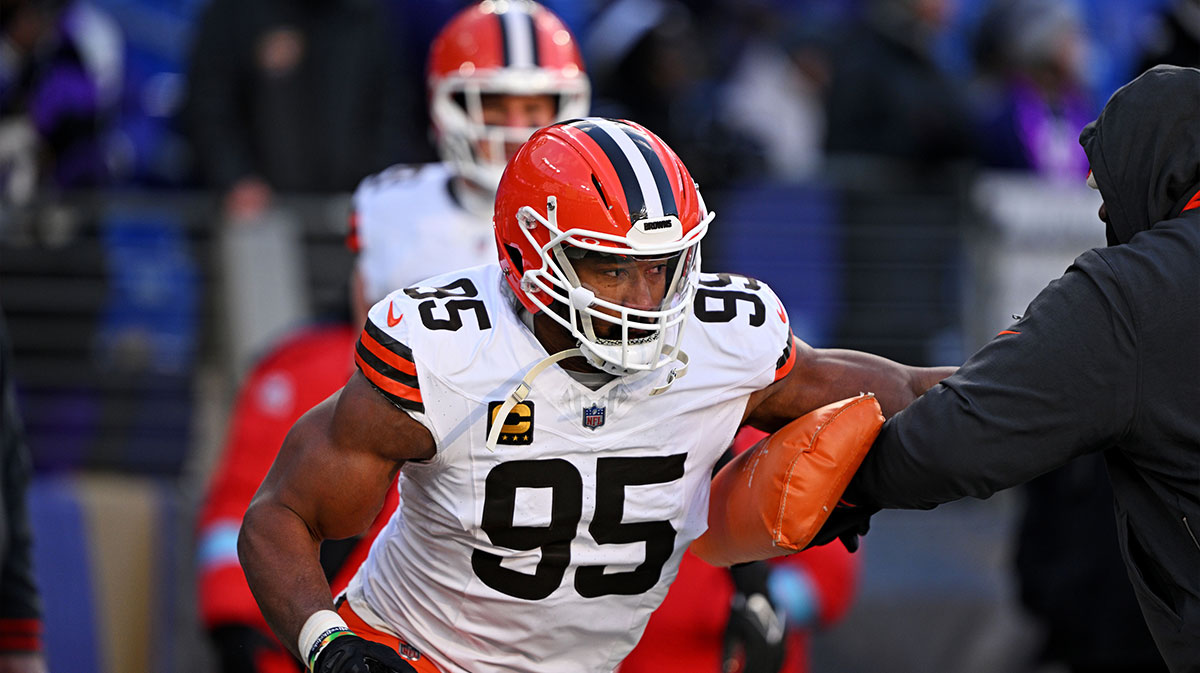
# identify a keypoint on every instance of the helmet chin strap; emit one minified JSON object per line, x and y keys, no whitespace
{"x":675,"y":373}
{"x":521,"y":392}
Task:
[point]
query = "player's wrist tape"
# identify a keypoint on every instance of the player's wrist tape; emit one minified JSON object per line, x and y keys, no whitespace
{"x":318,"y":631}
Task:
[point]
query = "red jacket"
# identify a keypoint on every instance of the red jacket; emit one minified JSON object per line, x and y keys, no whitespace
{"x":299,"y":373}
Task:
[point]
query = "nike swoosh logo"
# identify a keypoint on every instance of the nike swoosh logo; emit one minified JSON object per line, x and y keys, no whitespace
{"x":782,"y":314}
{"x":393,"y":320}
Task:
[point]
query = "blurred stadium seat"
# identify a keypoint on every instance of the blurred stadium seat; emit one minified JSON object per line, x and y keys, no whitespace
{"x":786,"y":235}
{"x":109,"y":566}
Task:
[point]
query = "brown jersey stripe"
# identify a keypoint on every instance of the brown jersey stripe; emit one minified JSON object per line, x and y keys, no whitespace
{"x":388,"y":357}
{"x":398,"y":393}
{"x":784,"y":365}
{"x":383,"y":339}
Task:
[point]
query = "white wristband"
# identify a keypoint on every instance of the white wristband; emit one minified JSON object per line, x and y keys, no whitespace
{"x":319,"y":626}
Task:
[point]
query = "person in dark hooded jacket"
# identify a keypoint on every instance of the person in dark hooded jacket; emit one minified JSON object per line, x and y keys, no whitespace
{"x":1105,"y":360}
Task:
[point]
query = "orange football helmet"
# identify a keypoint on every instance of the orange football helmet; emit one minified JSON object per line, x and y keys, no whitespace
{"x":601,"y":186}
{"x":509,"y":47}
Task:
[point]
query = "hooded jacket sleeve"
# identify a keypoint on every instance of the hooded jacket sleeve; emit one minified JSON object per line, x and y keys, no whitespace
{"x":1058,"y":383}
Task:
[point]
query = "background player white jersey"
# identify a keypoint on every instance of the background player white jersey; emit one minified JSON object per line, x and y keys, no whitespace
{"x":497,"y":73}
{"x":410,"y":226}
{"x":590,"y":494}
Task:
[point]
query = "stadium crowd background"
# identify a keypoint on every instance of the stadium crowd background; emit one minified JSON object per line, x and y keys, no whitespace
{"x":896,"y":169}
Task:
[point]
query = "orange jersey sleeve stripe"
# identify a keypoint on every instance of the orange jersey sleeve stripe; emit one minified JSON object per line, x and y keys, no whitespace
{"x":388,"y":357}
{"x":387,"y":385}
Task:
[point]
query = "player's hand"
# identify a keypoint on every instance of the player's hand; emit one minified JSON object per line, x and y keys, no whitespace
{"x":352,"y":654}
{"x":755,"y":636}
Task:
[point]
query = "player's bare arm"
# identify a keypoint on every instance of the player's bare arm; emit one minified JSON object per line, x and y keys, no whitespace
{"x":824,"y":375}
{"x":328,"y":482}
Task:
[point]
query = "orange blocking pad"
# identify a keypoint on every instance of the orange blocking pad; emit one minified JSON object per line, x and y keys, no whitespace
{"x":772,"y":499}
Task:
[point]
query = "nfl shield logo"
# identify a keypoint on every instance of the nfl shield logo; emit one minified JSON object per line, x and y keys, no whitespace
{"x":593,"y":416}
{"x":409,"y":652}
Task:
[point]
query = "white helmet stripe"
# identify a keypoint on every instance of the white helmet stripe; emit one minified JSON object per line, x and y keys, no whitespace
{"x":516,"y":31}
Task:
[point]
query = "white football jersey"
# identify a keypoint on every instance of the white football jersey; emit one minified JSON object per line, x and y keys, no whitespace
{"x":410,"y":227}
{"x":550,"y":553}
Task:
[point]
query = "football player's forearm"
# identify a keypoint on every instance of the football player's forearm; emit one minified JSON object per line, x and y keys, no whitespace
{"x":898,"y":385}
{"x":895,"y":385}
{"x":282,"y":564}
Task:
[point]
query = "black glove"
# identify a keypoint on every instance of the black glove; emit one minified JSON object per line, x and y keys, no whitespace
{"x":352,"y":654}
{"x":755,"y":636}
{"x":238,"y":647}
{"x":846,"y":524}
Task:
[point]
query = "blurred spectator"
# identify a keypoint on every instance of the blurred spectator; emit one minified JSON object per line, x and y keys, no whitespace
{"x":888,"y":96}
{"x":409,"y":223}
{"x":20,"y":605}
{"x":1172,"y":37}
{"x":1032,"y":98}
{"x":651,"y":63}
{"x":898,"y":139}
{"x":60,"y":84}
{"x":1072,"y":578}
{"x":775,"y":91}
{"x":705,"y":625}
{"x":296,"y":96}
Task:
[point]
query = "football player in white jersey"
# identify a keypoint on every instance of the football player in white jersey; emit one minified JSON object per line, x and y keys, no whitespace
{"x":497,"y":72}
{"x":555,"y":419}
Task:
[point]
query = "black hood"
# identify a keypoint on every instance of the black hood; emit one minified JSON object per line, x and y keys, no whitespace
{"x":1144,"y":149}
